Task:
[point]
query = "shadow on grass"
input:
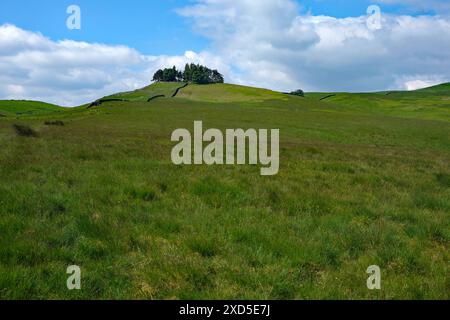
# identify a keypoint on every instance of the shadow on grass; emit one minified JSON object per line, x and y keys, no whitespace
{"x":25,"y":131}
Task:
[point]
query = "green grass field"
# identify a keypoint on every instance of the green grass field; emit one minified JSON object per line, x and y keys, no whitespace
{"x":19,"y":108}
{"x":364,"y":180}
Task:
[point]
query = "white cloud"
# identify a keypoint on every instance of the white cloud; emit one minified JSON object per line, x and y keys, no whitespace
{"x":264,"y":43}
{"x":419,"y":82}
{"x":71,"y":73}
{"x":271,"y":45}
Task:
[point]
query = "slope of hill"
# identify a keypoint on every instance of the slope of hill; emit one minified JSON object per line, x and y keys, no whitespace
{"x":364,"y":180}
{"x":441,"y":89}
{"x":166,"y":89}
{"x":208,"y":93}
{"x":432,"y":103}
{"x":22,"y":107}
{"x":229,"y":93}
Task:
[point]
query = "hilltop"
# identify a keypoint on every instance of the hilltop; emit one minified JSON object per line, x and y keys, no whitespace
{"x":199,"y":92}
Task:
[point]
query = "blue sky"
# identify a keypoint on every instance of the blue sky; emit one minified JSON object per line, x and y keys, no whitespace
{"x":315,"y":45}
{"x":152,"y":27}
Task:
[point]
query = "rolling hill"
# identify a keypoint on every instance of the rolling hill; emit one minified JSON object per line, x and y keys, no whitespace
{"x":441,"y":89}
{"x":23,"y":107}
{"x":364,"y":180}
{"x":166,"y":89}
{"x":430,"y":103}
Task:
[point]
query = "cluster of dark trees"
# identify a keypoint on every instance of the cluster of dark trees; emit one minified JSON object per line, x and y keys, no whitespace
{"x":168,"y":75}
{"x":195,"y":73}
{"x":299,"y":93}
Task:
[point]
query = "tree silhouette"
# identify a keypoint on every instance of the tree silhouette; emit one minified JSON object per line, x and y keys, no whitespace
{"x":194,"y":73}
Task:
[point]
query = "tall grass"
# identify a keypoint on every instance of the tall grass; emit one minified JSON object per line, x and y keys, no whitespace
{"x":355,"y":188}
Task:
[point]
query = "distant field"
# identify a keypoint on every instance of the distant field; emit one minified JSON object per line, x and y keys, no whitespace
{"x":431,"y":103}
{"x":364,"y":180}
{"x":21,"y":107}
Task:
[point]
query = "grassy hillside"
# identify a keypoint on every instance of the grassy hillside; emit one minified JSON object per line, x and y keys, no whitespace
{"x":229,"y":93}
{"x":364,"y":180}
{"x":156,"y":89}
{"x":441,"y":89}
{"x":22,"y":107}
{"x":432,"y":103}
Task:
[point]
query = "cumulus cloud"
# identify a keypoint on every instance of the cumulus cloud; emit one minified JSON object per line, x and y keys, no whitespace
{"x":418,"y":82}
{"x":269,"y":44}
{"x":70,"y":73}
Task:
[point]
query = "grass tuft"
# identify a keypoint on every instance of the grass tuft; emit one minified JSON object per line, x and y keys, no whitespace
{"x":444,"y":179}
{"x":24,"y":130}
{"x":54,"y":123}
